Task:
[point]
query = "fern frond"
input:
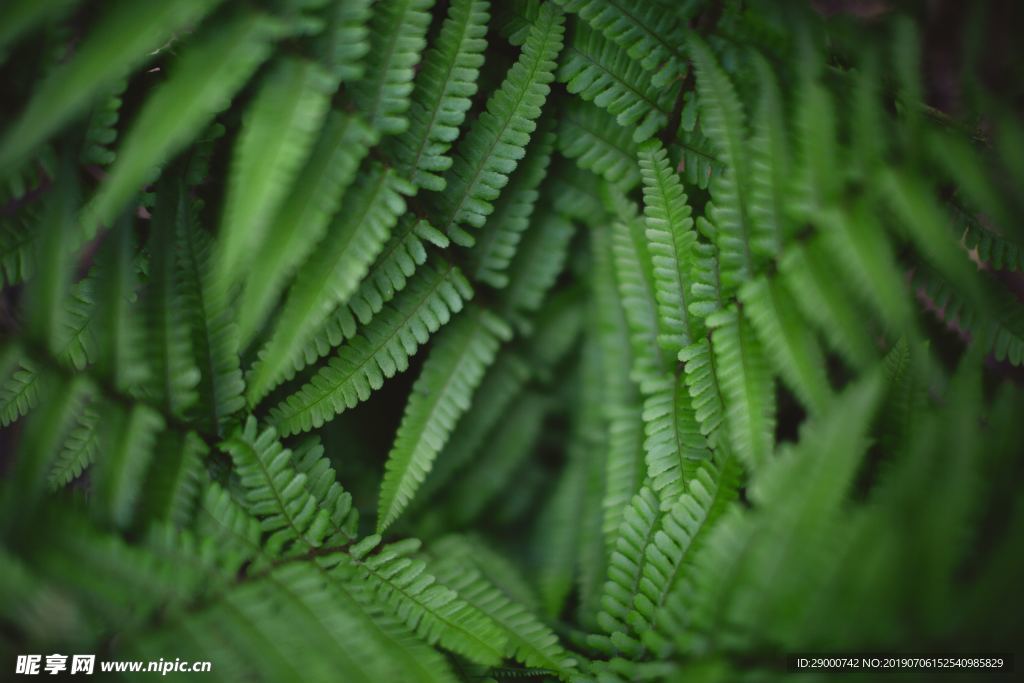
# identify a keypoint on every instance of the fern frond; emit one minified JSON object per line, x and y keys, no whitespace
{"x":440,"y":396}
{"x":747,"y":388}
{"x":500,"y":237}
{"x":596,"y":143}
{"x":47,"y":291}
{"x":432,"y":609}
{"x":671,"y":548}
{"x":746,"y":575}
{"x":636,"y":288}
{"x":649,"y":33}
{"x":380,"y":351}
{"x":118,"y":325}
{"x":673,"y":442}
{"x":529,"y":640}
{"x":501,"y":384}
{"x":769,"y":167}
{"x":17,"y":235}
{"x":169,"y":344}
{"x":792,"y":348}
{"x":403,"y":253}
{"x":126,"y":35}
{"x":557,"y":533}
{"x":397,"y":37}
{"x":79,"y":450}
{"x":214,"y":334}
{"x":277,"y":136}
{"x":698,"y":162}
{"x":237,"y":533}
{"x":537,"y":263}
{"x":724,"y":122}
{"x":102,"y":131}
{"x":200,"y":84}
{"x":999,"y":330}
{"x":497,"y":140}
{"x":624,"y":467}
{"x":810,"y":278}
{"x":857,"y":243}
{"x":576,"y":193}
{"x":175,"y":478}
{"x":997,"y":251}
{"x":706,"y":286}
{"x":671,"y":240}
{"x":345,"y":40}
{"x":333,"y":272}
{"x":275,"y":492}
{"x":600,"y":71}
{"x":640,"y":520}
{"x":309,"y":459}
{"x":511,"y":443}
{"x":924,"y":221}
{"x":445,"y":86}
{"x":19,"y":392}
{"x":127,"y":443}
{"x":19,"y":17}
{"x":702,"y":385}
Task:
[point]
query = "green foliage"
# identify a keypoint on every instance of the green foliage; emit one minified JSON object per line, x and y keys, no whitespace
{"x":711,"y":313}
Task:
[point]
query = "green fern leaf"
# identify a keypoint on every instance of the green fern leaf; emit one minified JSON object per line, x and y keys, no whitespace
{"x":397,"y":37}
{"x":275,"y":492}
{"x":501,"y":384}
{"x":309,"y":460}
{"x":678,"y":537}
{"x":792,"y":348}
{"x":491,"y":474}
{"x":170,"y":345}
{"x":333,"y":272}
{"x":445,"y":85}
{"x":636,"y":288}
{"x":747,"y":388}
{"x":235,"y":531}
{"x":724,"y":123}
{"x":173,"y":484}
{"x":17,"y":235}
{"x":404,"y":252}
{"x":501,"y":235}
{"x":600,"y":71}
{"x":432,"y":609}
{"x":597,"y":144}
{"x":214,"y":334}
{"x":201,"y":83}
{"x":673,"y":443}
{"x":538,"y":261}
{"x":344,"y":43}
{"x":441,"y":394}
{"x":702,"y":385}
{"x":380,"y":351}
{"x":277,"y":135}
{"x":649,"y":33}
{"x":126,"y":34}
{"x":19,"y":392}
{"x":769,"y":168}
{"x":496,"y":142}
{"x":119,"y":329}
{"x":305,"y":214}
{"x":529,"y":640}
{"x":671,"y":240}
{"x":857,"y":244}
{"x":79,"y":450}
{"x":127,"y":443}
{"x":809,"y":274}
{"x":640,"y":521}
